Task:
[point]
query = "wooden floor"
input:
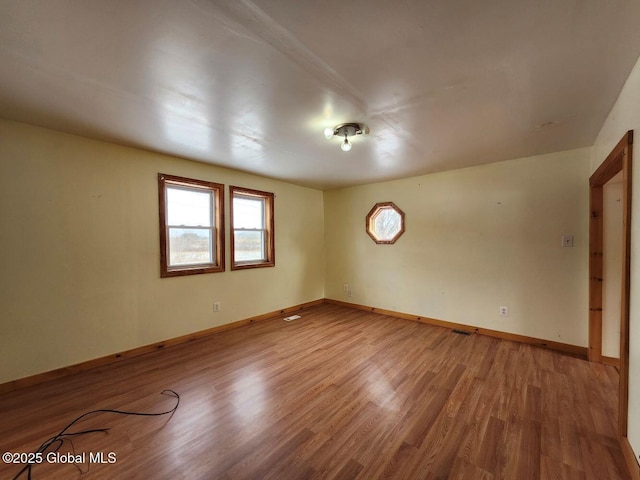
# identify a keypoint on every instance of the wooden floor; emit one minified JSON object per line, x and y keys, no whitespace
{"x":337,"y":394}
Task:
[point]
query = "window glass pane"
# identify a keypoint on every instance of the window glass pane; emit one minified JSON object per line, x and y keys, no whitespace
{"x":249,"y":246}
{"x":386,"y":223}
{"x":248,"y":212}
{"x":188,"y":246}
{"x":188,"y":207}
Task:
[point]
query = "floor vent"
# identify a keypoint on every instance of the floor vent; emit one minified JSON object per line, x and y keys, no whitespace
{"x":292,"y":317}
{"x":461,"y":332}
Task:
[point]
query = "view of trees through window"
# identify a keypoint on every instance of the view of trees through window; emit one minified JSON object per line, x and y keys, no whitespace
{"x":191,"y":226}
{"x":189,"y":246}
{"x":252,"y":228}
{"x":248,"y":228}
{"x":190,"y":215}
{"x":385,"y":223}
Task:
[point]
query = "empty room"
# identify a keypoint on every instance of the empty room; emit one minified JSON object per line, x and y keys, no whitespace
{"x":277,"y":239}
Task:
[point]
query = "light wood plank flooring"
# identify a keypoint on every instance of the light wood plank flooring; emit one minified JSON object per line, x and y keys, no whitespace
{"x":337,"y":394}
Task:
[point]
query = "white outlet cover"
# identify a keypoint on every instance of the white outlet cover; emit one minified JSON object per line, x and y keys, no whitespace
{"x":567,"y":241}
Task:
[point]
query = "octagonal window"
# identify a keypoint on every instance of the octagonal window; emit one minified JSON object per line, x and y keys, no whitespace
{"x":385,"y":223}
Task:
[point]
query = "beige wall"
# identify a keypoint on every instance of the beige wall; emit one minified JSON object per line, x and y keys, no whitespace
{"x":475,"y":239}
{"x":79,"y":251}
{"x":625,"y":116}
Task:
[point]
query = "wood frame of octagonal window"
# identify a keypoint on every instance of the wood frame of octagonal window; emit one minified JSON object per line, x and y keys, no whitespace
{"x":371,"y":217}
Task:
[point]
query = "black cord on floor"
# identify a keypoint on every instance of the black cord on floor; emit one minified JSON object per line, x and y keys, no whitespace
{"x":64,"y":435}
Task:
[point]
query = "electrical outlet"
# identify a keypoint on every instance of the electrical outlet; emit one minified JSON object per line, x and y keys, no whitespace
{"x":216,"y":307}
{"x":345,"y":287}
{"x":567,"y":241}
{"x":504,"y":311}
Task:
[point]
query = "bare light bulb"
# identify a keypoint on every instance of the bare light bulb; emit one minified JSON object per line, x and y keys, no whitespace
{"x":328,"y":133}
{"x":346,"y":145}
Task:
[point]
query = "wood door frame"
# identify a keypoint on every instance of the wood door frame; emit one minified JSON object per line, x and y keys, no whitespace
{"x":619,"y":160}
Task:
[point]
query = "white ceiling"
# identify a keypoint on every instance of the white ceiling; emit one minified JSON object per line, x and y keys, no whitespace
{"x":442,"y":84}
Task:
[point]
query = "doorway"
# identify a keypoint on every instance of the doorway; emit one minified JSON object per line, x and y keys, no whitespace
{"x":618,"y":161}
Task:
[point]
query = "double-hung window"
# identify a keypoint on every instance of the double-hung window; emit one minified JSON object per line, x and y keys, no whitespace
{"x":252,"y":224}
{"x":191,"y":226}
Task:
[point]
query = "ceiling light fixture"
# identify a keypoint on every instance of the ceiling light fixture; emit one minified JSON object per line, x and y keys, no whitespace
{"x":346,"y":130}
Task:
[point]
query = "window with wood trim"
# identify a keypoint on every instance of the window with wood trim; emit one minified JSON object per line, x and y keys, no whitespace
{"x":385,"y":223}
{"x":191,"y":226}
{"x":252,"y":228}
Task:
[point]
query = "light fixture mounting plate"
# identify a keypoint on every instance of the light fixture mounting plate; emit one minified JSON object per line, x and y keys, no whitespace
{"x":350,"y":129}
